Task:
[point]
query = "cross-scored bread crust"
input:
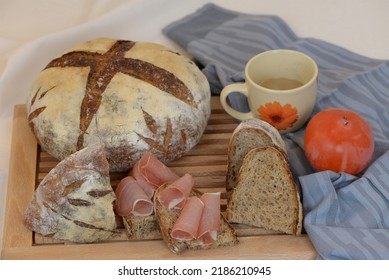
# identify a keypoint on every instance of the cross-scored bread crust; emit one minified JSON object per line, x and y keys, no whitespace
{"x":131,"y":96}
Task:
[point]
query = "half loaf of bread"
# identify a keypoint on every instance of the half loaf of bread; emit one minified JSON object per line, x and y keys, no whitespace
{"x":74,"y":201}
{"x":226,"y":235}
{"x":249,"y":134}
{"x":265,"y":194}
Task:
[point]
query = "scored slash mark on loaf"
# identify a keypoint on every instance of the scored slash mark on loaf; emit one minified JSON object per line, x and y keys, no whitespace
{"x":36,"y":112}
{"x":82,"y":202}
{"x":103,"y":67}
{"x":160,"y":140}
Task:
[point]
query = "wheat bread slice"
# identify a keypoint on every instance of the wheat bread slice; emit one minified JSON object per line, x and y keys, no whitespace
{"x":141,"y":227}
{"x":265,"y":194}
{"x":166,"y":218}
{"x":247,"y":135}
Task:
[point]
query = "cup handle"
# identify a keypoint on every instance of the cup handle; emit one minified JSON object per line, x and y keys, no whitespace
{"x":238,"y":87}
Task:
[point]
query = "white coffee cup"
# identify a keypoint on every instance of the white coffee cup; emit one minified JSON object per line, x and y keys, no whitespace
{"x":281,"y":89}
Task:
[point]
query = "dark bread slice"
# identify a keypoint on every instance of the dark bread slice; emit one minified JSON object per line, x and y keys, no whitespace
{"x":167,"y":217}
{"x":265,"y":194}
{"x":248,"y":134}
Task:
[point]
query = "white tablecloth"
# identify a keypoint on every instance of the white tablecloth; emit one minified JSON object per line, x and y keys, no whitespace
{"x":34,"y":32}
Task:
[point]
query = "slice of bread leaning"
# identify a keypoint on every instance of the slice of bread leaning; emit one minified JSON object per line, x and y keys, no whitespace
{"x":265,"y":194}
{"x":249,"y":134}
{"x":166,"y":218}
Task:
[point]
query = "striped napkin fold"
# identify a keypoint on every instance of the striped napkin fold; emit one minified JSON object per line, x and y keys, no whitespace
{"x":346,"y":217}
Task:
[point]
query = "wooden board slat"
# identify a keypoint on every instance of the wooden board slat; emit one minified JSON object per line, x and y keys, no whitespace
{"x":206,"y":163}
{"x":250,"y":248}
{"x":21,"y":181}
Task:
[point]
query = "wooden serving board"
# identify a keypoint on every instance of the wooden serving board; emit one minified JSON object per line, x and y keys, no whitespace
{"x":206,"y":163}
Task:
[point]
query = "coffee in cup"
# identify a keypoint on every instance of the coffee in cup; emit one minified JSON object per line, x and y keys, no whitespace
{"x":280,"y":87}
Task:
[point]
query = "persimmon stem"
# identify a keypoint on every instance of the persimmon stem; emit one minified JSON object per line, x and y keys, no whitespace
{"x":345,"y":120}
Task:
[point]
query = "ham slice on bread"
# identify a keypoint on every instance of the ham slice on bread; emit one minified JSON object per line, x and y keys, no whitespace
{"x":167,"y":218}
{"x":137,"y":175}
{"x":210,"y":218}
{"x":185,"y":217}
{"x":187,"y":223}
{"x":199,"y":219}
{"x":151,"y":173}
{"x":134,"y":192}
{"x":133,"y":199}
{"x":176,"y":193}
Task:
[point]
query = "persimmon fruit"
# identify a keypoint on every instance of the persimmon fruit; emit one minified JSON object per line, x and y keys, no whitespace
{"x":339,"y":140}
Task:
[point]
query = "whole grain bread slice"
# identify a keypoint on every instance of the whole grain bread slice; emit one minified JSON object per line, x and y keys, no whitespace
{"x":166,"y":218}
{"x":141,"y":227}
{"x":265,"y":194}
{"x":247,"y":135}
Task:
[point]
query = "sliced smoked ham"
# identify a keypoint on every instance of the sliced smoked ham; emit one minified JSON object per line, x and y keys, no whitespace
{"x":200,"y":216}
{"x":210,"y":218}
{"x":152,"y":173}
{"x":131,"y":198}
{"x":147,"y":187}
{"x":199,"y":219}
{"x":187,"y":224}
{"x":134,"y":192}
{"x":176,"y":193}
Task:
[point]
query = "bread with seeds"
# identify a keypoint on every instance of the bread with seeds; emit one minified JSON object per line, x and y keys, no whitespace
{"x":266,"y":195}
{"x":141,"y":227}
{"x":249,"y":134}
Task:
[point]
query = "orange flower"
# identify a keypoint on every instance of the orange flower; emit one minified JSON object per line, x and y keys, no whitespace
{"x":281,"y":117}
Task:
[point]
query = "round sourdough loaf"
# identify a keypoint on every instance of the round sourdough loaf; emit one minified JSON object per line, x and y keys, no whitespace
{"x":130,"y":96}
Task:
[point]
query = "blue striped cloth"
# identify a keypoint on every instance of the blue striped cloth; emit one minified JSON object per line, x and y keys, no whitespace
{"x":346,"y":217}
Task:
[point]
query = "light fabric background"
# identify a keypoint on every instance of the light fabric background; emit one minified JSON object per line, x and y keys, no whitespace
{"x":34,"y":32}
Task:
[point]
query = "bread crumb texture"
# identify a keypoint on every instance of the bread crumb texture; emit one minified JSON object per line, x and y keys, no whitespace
{"x":265,"y":195}
{"x":141,"y":228}
{"x":248,"y":135}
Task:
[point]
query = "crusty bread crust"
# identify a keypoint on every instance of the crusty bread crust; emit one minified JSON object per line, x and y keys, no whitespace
{"x":167,"y":218}
{"x":266,"y":194}
{"x":131,"y":96}
{"x":248,"y":134}
{"x":74,"y":201}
